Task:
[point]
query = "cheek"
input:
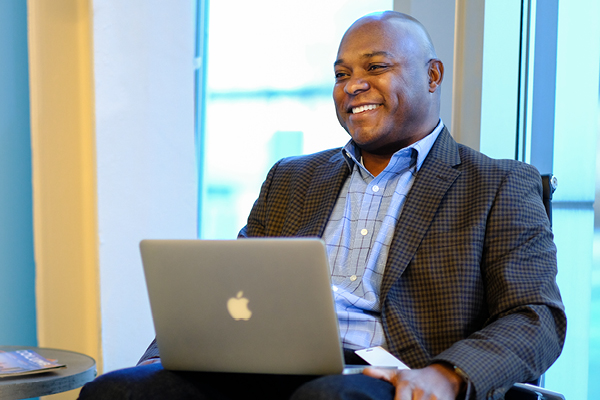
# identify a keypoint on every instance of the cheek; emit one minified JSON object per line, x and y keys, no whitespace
{"x":338,"y":113}
{"x":339,"y":117}
{"x":338,"y":103}
{"x":402,"y":99}
{"x":338,"y":95}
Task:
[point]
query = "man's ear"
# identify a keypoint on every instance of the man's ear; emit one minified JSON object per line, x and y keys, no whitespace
{"x":436,"y":74}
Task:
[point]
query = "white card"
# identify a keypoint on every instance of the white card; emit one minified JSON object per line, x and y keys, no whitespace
{"x":380,"y":357}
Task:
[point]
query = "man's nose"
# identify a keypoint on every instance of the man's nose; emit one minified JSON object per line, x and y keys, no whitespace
{"x":356,"y":85}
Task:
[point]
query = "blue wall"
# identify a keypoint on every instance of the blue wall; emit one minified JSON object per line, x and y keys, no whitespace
{"x":17,"y":267}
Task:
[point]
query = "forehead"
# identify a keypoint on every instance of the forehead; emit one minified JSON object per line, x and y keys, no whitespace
{"x":392,"y":37}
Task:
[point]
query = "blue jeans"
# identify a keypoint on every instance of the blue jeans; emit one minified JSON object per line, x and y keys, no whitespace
{"x":152,"y":382}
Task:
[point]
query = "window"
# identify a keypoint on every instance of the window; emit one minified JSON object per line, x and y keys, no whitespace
{"x":268,"y":95}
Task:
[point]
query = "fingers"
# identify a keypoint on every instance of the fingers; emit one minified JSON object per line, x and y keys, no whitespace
{"x":420,"y":384}
{"x":403,"y":389}
{"x":386,"y":374}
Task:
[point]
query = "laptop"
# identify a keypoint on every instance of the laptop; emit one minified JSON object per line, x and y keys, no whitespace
{"x":245,"y":306}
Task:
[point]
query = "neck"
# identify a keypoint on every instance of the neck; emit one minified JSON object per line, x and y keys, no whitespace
{"x":375,"y":163}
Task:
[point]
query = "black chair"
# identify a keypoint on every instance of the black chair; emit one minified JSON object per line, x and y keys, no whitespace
{"x":527,"y":391}
{"x":549,"y":183}
{"x":533,"y":390}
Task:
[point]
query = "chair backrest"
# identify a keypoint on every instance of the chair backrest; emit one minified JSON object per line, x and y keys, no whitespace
{"x":524,"y":391}
{"x":549,"y":183}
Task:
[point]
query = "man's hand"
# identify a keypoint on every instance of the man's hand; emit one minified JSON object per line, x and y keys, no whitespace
{"x":435,"y":382}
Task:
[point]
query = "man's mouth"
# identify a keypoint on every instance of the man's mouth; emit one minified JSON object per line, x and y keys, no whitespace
{"x":357,"y":110}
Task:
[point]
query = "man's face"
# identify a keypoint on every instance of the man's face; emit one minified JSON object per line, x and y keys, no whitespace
{"x":382,"y":92}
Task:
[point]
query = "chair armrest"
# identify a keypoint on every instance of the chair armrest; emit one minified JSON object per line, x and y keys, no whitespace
{"x":544,"y":394}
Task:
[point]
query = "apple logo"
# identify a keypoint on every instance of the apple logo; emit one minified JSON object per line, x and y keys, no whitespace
{"x":238,"y":307}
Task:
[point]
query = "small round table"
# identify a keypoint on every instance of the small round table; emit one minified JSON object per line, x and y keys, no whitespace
{"x":80,"y":370}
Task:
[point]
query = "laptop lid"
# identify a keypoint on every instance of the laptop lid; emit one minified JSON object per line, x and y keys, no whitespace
{"x":250,"y":305}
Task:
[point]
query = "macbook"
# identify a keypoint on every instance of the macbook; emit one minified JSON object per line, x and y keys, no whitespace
{"x":244,"y":306}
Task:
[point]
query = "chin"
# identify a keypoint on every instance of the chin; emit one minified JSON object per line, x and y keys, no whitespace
{"x":367,"y":146}
{"x":366,"y":140}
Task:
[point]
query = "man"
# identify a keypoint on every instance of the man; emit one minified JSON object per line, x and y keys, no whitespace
{"x":438,"y":253}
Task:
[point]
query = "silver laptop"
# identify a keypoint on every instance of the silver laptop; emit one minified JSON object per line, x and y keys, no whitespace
{"x":250,"y":305}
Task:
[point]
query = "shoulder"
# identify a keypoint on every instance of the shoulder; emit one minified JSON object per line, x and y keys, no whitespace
{"x":475,"y":168}
{"x":312,"y":160}
{"x":294,"y":174}
{"x":479,"y":166}
{"x":306,"y":165}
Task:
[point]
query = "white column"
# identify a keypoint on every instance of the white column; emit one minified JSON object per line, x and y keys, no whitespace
{"x":147,"y":173}
{"x":112,"y":116}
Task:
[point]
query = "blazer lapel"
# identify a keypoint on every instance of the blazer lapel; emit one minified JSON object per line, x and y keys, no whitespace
{"x":432,"y":182}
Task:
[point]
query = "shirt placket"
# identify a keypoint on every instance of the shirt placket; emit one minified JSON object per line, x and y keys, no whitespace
{"x":364,"y":233}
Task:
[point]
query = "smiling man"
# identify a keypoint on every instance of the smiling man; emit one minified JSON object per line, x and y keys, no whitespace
{"x":387,"y":91}
{"x":438,"y":254}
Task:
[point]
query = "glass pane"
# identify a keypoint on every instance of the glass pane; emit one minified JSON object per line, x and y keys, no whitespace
{"x":594,"y":371}
{"x":269,"y":84}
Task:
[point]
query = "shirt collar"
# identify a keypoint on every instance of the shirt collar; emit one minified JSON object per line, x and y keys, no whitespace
{"x":351,"y":152}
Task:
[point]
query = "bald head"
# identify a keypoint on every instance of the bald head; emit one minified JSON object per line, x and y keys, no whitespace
{"x":412,"y":27}
{"x":388,"y":78}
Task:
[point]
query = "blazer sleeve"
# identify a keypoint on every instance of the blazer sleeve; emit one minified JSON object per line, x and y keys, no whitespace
{"x":254,"y":227}
{"x":151,"y":352}
{"x":525,"y":330}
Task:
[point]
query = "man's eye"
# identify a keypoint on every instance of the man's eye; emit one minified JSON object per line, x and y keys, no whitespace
{"x":376,"y":67}
{"x":339,"y":75}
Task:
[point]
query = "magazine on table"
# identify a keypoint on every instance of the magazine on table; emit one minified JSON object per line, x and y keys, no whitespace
{"x":25,"y":362}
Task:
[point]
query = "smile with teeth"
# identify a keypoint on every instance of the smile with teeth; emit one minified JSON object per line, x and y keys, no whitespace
{"x":356,"y":110}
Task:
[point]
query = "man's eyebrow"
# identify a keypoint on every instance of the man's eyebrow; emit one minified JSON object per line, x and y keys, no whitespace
{"x":366,"y":55}
{"x":377,"y":53}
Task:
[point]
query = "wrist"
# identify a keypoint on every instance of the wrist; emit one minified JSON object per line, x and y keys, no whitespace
{"x":455,"y":376}
{"x":464,"y":378}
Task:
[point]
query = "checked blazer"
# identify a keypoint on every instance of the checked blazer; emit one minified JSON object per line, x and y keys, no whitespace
{"x":470,"y":275}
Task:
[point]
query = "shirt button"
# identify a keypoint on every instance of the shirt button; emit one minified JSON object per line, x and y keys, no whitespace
{"x":334,"y":288}
{"x":376,"y":188}
{"x":364,"y":232}
{"x":353,"y":278}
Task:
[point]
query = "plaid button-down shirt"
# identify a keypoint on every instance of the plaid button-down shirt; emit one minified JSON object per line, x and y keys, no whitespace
{"x":358,"y":235}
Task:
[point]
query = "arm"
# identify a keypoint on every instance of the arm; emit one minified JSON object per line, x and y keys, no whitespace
{"x":525,"y":329}
{"x":480,"y":291}
{"x":254,"y":227}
